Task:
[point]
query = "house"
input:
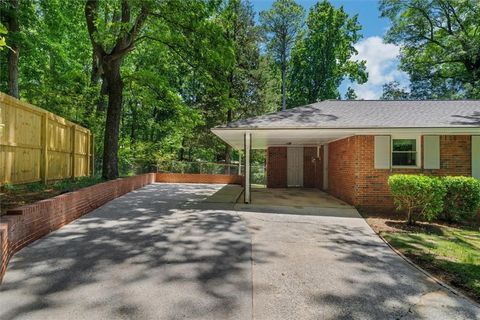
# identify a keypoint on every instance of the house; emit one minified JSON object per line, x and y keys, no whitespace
{"x":350,"y":148}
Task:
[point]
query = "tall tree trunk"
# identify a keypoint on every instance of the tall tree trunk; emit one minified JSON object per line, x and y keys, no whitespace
{"x":284,"y":100}
{"x":111,"y":77}
{"x":112,"y":125}
{"x":13,"y":55}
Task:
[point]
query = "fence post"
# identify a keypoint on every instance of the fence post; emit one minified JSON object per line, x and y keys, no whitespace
{"x":73,"y":150}
{"x":44,"y":144}
{"x":92,"y":154}
{"x":87,"y":150}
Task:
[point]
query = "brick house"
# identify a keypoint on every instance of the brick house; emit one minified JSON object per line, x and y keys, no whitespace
{"x":350,"y":148}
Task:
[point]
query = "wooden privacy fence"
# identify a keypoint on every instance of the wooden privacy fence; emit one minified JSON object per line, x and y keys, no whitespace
{"x":37,"y":145}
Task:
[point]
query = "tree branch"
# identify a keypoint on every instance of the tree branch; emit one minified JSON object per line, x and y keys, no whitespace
{"x":91,"y":12}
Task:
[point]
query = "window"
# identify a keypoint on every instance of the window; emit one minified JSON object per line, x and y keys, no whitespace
{"x":404,"y":152}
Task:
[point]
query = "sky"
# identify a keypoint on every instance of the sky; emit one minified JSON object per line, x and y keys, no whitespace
{"x":382,"y":59}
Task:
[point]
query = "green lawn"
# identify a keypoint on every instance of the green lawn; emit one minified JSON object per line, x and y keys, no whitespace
{"x":452,"y":253}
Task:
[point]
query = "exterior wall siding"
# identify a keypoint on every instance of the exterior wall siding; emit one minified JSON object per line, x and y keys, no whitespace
{"x":354,"y":179}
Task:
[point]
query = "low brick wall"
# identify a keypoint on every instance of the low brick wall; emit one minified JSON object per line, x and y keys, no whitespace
{"x":26,"y":224}
{"x":198,"y":178}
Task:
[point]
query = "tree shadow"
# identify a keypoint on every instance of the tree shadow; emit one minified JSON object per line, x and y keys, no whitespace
{"x":143,"y":255}
{"x":383,"y":285}
{"x":309,"y":114}
{"x":471,"y":120}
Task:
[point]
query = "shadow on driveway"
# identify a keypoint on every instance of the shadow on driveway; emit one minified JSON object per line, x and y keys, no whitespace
{"x":139,"y":256}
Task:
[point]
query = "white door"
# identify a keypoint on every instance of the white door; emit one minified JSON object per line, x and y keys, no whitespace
{"x":295,"y":167}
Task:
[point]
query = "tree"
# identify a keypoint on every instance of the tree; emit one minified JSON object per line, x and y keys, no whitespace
{"x":350,"y":94}
{"x":118,"y":40}
{"x":321,"y":56}
{"x":393,"y":91}
{"x":281,"y":24}
{"x":10,"y":17}
{"x":440,"y":45}
{"x":244,"y":83}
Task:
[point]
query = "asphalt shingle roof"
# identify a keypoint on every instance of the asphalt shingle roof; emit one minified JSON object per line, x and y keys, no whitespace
{"x":371,"y":114}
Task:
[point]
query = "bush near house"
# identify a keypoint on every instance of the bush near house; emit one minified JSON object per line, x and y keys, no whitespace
{"x":462,"y":199}
{"x":420,"y":196}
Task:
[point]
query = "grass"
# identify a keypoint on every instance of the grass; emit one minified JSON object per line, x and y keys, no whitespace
{"x":13,"y":196}
{"x":453,"y":254}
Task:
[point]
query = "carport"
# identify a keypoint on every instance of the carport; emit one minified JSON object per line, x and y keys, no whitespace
{"x":297,"y":143}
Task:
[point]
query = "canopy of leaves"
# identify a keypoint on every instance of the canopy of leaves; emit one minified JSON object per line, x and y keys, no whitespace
{"x":440,"y":45}
{"x":281,"y":24}
{"x":321,"y":57}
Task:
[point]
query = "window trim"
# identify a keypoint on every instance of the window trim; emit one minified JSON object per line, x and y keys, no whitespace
{"x":418,"y":158}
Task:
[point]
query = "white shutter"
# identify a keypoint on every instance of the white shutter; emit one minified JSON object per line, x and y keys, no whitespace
{"x":476,"y":157}
{"x":382,"y":152}
{"x":431,"y":152}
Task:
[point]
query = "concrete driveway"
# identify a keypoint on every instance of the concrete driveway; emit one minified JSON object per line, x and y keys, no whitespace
{"x":162,"y":253}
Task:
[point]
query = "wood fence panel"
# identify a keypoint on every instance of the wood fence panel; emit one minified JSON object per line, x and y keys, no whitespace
{"x":36,"y":145}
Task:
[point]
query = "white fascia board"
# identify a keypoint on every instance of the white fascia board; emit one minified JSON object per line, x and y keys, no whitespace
{"x":234,"y":136}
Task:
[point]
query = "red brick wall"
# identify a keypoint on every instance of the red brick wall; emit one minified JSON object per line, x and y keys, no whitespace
{"x":277,"y":167}
{"x":352,"y":176}
{"x":26,"y":224}
{"x":342,"y":168}
{"x":198,"y":178}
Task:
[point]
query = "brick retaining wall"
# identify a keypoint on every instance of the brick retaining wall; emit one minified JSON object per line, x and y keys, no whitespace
{"x":198,"y":178}
{"x":26,"y":224}
{"x":23,"y":225}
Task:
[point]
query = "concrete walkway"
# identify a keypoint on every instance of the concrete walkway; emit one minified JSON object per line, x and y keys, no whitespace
{"x":163,"y":252}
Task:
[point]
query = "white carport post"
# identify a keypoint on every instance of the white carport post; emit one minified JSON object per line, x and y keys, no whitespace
{"x":247,"y":148}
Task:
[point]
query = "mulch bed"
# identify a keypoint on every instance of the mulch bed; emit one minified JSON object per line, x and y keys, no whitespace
{"x":10,"y":200}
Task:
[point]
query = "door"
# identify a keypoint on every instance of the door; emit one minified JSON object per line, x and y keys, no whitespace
{"x":295,"y":167}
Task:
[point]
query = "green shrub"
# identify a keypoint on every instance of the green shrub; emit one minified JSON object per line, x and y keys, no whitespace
{"x":420,"y":196}
{"x":7,"y":186}
{"x":462,"y":199}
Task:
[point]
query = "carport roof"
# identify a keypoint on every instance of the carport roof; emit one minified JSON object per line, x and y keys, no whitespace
{"x":370,"y":114}
{"x":329,"y":120}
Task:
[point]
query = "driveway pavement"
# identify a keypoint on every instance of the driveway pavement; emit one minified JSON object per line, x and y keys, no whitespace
{"x":162,"y":253}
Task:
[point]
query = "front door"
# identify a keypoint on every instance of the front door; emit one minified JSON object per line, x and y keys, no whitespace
{"x":295,"y":167}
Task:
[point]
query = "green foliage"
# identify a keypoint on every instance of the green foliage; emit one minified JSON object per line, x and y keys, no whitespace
{"x":440,"y":45}
{"x":393,"y":91}
{"x":77,"y":183}
{"x":350,"y":94}
{"x":195,"y":65}
{"x":420,"y":196}
{"x":3,"y":31}
{"x":322,"y":55}
{"x":8,"y":187}
{"x":24,"y":188}
{"x":462,"y":199}
{"x":281,"y":24}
